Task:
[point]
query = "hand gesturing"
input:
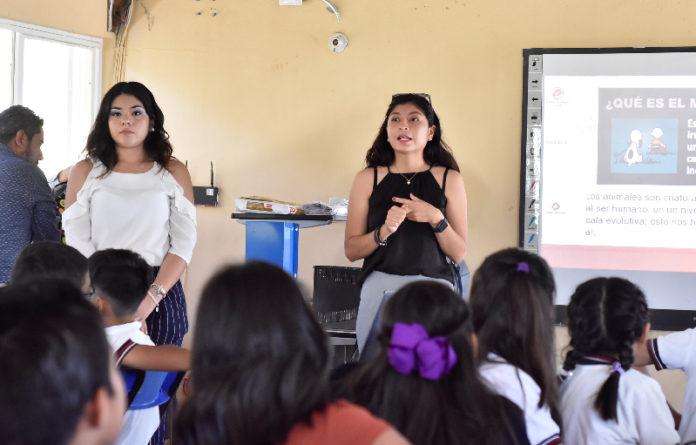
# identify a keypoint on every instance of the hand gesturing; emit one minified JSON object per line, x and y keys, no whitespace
{"x":419,"y":210}
{"x":395,"y":216}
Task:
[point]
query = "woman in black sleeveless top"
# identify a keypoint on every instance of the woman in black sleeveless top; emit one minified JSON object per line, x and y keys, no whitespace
{"x":407,"y":211}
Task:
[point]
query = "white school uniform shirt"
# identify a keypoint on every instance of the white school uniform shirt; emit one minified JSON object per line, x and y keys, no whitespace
{"x":138,"y":425}
{"x":521,"y":389}
{"x":143,"y":212}
{"x":642,"y":413}
{"x":676,"y":351}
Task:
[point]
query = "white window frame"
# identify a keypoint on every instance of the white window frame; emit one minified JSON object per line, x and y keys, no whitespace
{"x":24,"y":30}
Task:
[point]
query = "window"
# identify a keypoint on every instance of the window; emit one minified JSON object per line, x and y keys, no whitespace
{"x":6,"y":63}
{"x":58,"y":75}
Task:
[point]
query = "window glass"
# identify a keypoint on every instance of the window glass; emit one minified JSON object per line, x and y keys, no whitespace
{"x":5,"y":68}
{"x":57,"y":85}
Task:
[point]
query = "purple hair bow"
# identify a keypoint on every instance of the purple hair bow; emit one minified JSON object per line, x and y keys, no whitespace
{"x":411,"y":348}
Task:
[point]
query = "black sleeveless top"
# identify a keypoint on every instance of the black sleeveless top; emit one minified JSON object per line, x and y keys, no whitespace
{"x":413,"y":248}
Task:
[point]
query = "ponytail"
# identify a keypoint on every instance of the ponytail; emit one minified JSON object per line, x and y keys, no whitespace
{"x":608,"y":396}
{"x":606,"y":315}
{"x":512,"y":312}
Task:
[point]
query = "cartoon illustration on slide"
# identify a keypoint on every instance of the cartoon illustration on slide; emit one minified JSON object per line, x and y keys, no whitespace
{"x":643,"y":141}
{"x":657,"y":146}
{"x":631,"y":155}
{"x":628,"y":153}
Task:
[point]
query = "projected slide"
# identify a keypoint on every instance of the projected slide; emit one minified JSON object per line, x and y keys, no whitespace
{"x":608,"y":173}
{"x":619,"y":171}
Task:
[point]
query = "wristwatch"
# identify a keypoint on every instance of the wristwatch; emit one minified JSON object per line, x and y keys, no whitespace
{"x":441,"y":226}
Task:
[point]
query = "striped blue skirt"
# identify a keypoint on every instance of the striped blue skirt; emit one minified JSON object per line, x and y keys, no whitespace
{"x":169,"y":325}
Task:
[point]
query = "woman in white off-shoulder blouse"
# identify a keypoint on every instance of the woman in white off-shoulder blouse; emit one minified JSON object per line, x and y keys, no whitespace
{"x":131,"y":193}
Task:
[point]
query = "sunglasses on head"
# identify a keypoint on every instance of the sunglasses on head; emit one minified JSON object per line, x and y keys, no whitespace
{"x":423,"y":95}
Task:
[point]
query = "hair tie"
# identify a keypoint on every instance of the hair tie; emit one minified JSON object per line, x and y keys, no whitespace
{"x":412,"y":348}
{"x":617,"y":369}
{"x":522,"y":266}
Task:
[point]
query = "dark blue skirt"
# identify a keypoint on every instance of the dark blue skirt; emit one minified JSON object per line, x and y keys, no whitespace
{"x":169,"y":325}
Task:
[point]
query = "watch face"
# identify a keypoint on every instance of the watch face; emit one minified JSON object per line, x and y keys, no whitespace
{"x":442,"y":225}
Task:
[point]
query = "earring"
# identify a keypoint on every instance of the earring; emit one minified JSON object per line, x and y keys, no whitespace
{"x":152,"y":130}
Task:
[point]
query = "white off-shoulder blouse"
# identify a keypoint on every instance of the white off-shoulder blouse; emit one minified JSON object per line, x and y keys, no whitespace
{"x":144,"y":212}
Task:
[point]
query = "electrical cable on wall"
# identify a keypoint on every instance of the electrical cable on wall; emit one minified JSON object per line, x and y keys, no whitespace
{"x":119,"y":15}
{"x":332,"y":8}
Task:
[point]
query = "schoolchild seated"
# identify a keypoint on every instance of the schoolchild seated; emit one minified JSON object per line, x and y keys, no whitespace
{"x":605,"y":400}
{"x":260,"y":370}
{"x":51,"y":259}
{"x":422,"y":375}
{"x":58,"y":383}
{"x":120,"y":279}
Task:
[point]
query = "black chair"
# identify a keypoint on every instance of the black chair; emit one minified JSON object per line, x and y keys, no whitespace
{"x":335,"y":302}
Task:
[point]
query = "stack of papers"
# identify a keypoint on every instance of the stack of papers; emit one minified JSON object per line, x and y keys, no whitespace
{"x":260,"y":204}
{"x":337,"y":207}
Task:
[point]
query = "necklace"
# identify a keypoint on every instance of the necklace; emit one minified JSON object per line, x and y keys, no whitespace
{"x":407,"y":179}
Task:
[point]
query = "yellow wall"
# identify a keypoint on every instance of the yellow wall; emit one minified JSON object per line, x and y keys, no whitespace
{"x":87,"y":18}
{"x":256,"y":90}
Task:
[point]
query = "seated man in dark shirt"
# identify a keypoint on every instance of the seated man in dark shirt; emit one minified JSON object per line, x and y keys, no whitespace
{"x":28,"y":211}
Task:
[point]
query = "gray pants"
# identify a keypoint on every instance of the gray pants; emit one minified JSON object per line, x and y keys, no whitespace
{"x":371,"y":294}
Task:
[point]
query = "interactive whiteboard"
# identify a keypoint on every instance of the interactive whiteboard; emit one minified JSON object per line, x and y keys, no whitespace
{"x":608,"y":177}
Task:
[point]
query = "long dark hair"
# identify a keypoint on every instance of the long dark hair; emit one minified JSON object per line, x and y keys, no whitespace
{"x":100,"y":144}
{"x":606,"y":316}
{"x":259,"y":360}
{"x":436,"y":152}
{"x":512,"y":304}
{"x":458,"y":408}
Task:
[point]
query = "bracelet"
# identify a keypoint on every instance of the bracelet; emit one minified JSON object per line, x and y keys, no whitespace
{"x":378,"y":240}
{"x":154,"y":300}
{"x":159,"y":290}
